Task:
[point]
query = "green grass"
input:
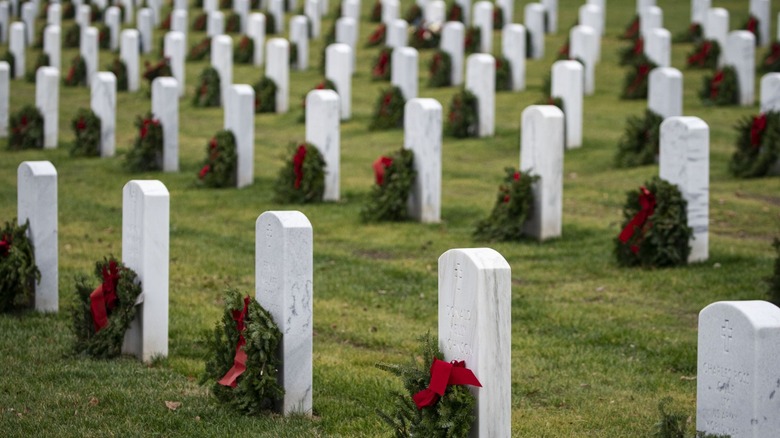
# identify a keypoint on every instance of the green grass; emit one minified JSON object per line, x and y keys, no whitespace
{"x":594,"y":347}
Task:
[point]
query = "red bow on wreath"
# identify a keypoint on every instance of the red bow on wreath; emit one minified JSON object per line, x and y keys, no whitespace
{"x":5,"y":245}
{"x":700,"y":57}
{"x":300,"y":155}
{"x":757,"y":130}
{"x":103,"y":299}
{"x":639,"y":46}
{"x":715,"y":84}
{"x":444,"y":374}
{"x":380,"y":165}
{"x":642,"y":71}
{"x":752,"y":24}
{"x":639,"y":221}
{"x":239,"y":362}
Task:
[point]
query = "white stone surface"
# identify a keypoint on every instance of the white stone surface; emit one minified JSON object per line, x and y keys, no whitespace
{"x":175,"y":50}
{"x":180,"y":21}
{"x":435,"y":12}
{"x":276,"y":8}
{"x":390,"y":11}
{"x":299,"y":35}
{"x":650,"y":18}
{"x":145,"y":24}
{"x":180,"y":4}
{"x":602,"y":4}
{"x":533,"y":19}
{"x":337,"y":69}
{"x":590,"y":15}
{"x":452,"y":38}
{"x":737,"y":375}
{"x":665,"y":92}
{"x":5,"y":14}
{"x":37,"y":202}
{"x":155,"y":6}
{"x":240,"y":119}
{"x":323,"y":115}
{"x":761,"y":9}
{"x":541,"y":153}
{"x":475,"y":326}
{"x":423,"y":136}
{"x":278,"y":69}
{"x":129,"y":54}
{"x":699,"y":10}
{"x":311,"y":9}
{"x":284,"y":265}
{"x":324,"y":7}
{"x":28,"y":18}
{"x":513,"y":49}
{"x":47,"y":100}
{"x":89,"y":51}
{"x":5,"y":97}
{"x":568,"y":78}
{"x":256,"y":31}
{"x":741,"y":54}
{"x":346,"y":33}
{"x":17,"y":48}
{"x":129,"y":10}
{"x":210,"y":5}
{"x":396,"y":34}
{"x":403,"y":74}
{"x":658,"y":47}
{"x":465,"y":7}
{"x":145,"y":237}
{"x":222,"y":61}
{"x":165,"y":108}
{"x":717,"y":28}
{"x":685,"y":161}
{"x":241,"y":7}
{"x":112,"y":19}
{"x":770,"y":92}
{"x":583,"y":40}
{"x":83,"y":16}
{"x":215,"y":24}
{"x":52,"y":46}
{"x":641,"y":5}
{"x":351,"y":9}
{"x":483,"y":19}
{"x":103,"y":103}
{"x":551,"y":7}
{"x":481,"y":80}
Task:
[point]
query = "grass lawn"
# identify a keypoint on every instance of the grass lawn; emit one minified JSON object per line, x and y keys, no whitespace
{"x":594,"y":347}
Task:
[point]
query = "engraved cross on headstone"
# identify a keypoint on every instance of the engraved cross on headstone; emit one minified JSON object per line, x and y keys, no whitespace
{"x":726,"y":335}
{"x":458,"y":277}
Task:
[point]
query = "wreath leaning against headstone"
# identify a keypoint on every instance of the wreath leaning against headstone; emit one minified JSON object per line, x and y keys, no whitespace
{"x":463,"y":118}
{"x":245,"y":51}
{"x":265,"y":95}
{"x":200,"y":50}
{"x":302,"y":178}
{"x":514,"y":204}
{"x":503,"y":81}
{"x":26,"y":129}
{"x":147,"y":151}
{"x":389,"y":110}
{"x":77,"y":74}
{"x":18,"y":272}
{"x":244,"y":356}
{"x":208,"y":89}
{"x":394,"y":175}
{"x":119,"y":69}
{"x":705,"y":55}
{"x":220,"y":167}
{"x":655,"y":231}
{"x":637,"y":79}
{"x":640,"y":141}
{"x":721,"y":88}
{"x":382,"y":66}
{"x":86,"y":132}
{"x":103,"y":314}
{"x":758,"y":145}
{"x":771,"y":62}
{"x":440,"y":69}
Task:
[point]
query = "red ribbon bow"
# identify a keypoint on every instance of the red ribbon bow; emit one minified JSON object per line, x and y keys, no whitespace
{"x":239,"y":362}
{"x":380,"y":165}
{"x":642,"y":71}
{"x":300,"y":154}
{"x":639,"y":46}
{"x":444,"y":374}
{"x":700,"y":57}
{"x":715,"y":84}
{"x":204,"y":171}
{"x":752,"y":24}
{"x":757,"y":130}
{"x":103,"y":299}
{"x":639,"y":221}
{"x":5,"y":245}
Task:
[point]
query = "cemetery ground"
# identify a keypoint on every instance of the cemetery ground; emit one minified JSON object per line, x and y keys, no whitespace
{"x":594,"y":347}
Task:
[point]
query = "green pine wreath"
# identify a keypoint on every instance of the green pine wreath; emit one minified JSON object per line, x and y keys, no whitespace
{"x":463,"y":116}
{"x":220,"y":168}
{"x":498,"y":17}
{"x":640,"y":141}
{"x":11,"y":60}
{"x":503,"y":81}
{"x":514,"y":204}
{"x":388,"y":197}
{"x":18,"y":272}
{"x":104,"y":36}
{"x":119,"y":69}
{"x":378,"y":36}
{"x":257,"y":388}
{"x":452,"y":416}
{"x":302,"y":179}
{"x":472,"y":40}
{"x":106,"y":342}
{"x":704,"y":55}
{"x":233,"y":23}
{"x":26,"y":129}
{"x":200,"y":22}
{"x":77,"y":74}
{"x":207,"y":91}
{"x":200,"y":51}
{"x":86,"y":133}
{"x":270,"y":23}
{"x":72,"y":37}
{"x":160,"y":68}
{"x":376,"y":12}
{"x":633,"y":53}
{"x":722,"y":88}
{"x":454,"y":12}
{"x":414,"y":14}
{"x":632,"y":29}
{"x":440,"y":69}
{"x":752,"y":25}
{"x":663,"y":238}
{"x":147,"y":152}
{"x":758,"y":145}
{"x":771,"y":61}
{"x":638,"y":79}
{"x":245,"y":51}
{"x":425,"y":36}
{"x":693,"y":34}
{"x":382,"y":66}
{"x":265,"y":95}
{"x":389,"y":110}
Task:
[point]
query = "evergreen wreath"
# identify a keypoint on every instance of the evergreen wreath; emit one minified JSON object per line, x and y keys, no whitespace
{"x":498,"y":17}
{"x":655,"y":231}
{"x":265,"y":95}
{"x":119,"y":69}
{"x":160,"y":68}
{"x":640,"y":141}
{"x":325,"y":84}
{"x":293,"y":56}
{"x":245,"y":326}
{"x":721,"y":88}
{"x":208,"y":88}
{"x":41,"y":61}
{"x":751,"y":25}
{"x":425,"y":36}
{"x":529,"y":44}
{"x":166,"y":23}
{"x":440,"y":69}
{"x":220,"y":167}
{"x":18,"y":272}
{"x":200,"y":51}
{"x":381,"y":69}
{"x":245,"y":51}
{"x":200,"y":23}
{"x":378,"y":36}
{"x":693,"y":34}
{"x":102,"y":315}
{"x":758,"y":145}
{"x":455,"y":12}
{"x":634,"y":53}
{"x":774,"y":280}
{"x":104,"y":37}
{"x":233,"y":23}
{"x":705,"y":55}
{"x":514,"y":204}
{"x":394,"y":175}
{"x":632,"y":29}
{"x":96,"y":14}
{"x":414,"y":14}
{"x":11,"y":60}
{"x":503,"y":81}
{"x":376,"y":12}
{"x":302,"y":179}
{"x":86,"y":132}
{"x":771,"y":62}
{"x":77,"y":74}
{"x":72,"y":36}
{"x":452,"y":416}
{"x":564,"y":51}
{"x":638,"y":79}
{"x":472,"y":40}
{"x":226,"y":4}
{"x":270,"y":23}
{"x":389,"y":110}
{"x":463,"y":116}
{"x":38,"y":40}
{"x":147,"y":151}
{"x":26,"y":129}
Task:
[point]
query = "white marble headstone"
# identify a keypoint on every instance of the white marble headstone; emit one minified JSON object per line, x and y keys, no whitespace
{"x":52,"y":46}
{"x":665,"y":92}
{"x":299,"y":35}
{"x":583,"y":40}
{"x":83,"y":16}
{"x":145,"y":25}
{"x":37,"y":202}
{"x":323,"y":115}
{"x":650,"y":18}
{"x":481,"y":80}
{"x":396,"y":34}
{"x":210,"y":5}
{"x":89,"y":51}
{"x":278,"y":69}
{"x":435,"y":12}
{"x":165,"y":108}
{"x":761,"y":9}
{"x":551,"y":7}
{"x":215,"y":24}
{"x":337,"y":69}
{"x":685,"y":161}
{"x":452,"y":39}
{"x":770,"y":92}
{"x":284,"y":265}
{"x":475,"y":326}
{"x":28,"y":18}
{"x":5,"y":14}
{"x":175,"y":51}
{"x":112,"y":20}
{"x":145,"y":237}
{"x":717,"y":28}
{"x":346,"y":33}
{"x":180,"y":21}
{"x":592,"y":15}
{"x":404,"y":69}
{"x":423,"y":136}
{"x":222,"y":61}
{"x":256,"y":31}
{"x":567,"y":84}
{"x":17,"y":47}
{"x":276,"y":8}
{"x":351,"y":9}
{"x":533,"y":19}
{"x":658,"y":47}
{"x":483,"y":19}
{"x":129,"y":54}
{"x":699,"y":10}
{"x":103,"y":103}
{"x":241,"y":7}
{"x":240,"y":120}
{"x":5,"y":97}
{"x":47,"y":100}
{"x":311,"y":9}
{"x":129,"y":6}
{"x":513,"y":49}
{"x":741,"y":54}
{"x":641,"y":5}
